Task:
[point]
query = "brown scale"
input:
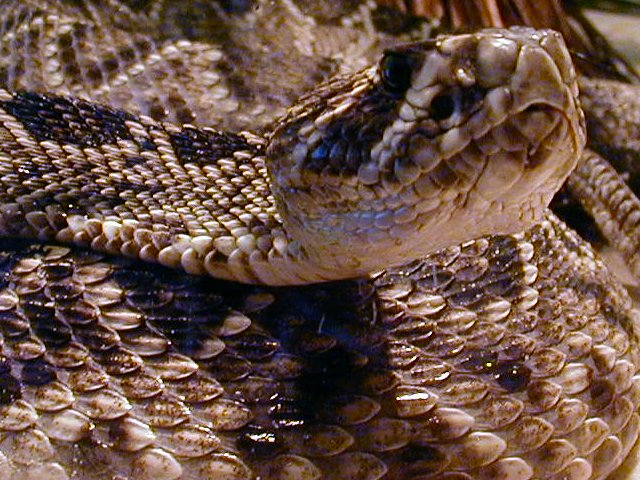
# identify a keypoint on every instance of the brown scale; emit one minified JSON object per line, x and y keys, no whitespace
{"x":86,"y":57}
{"x":368,"y":400}
{"x":111,"y":369}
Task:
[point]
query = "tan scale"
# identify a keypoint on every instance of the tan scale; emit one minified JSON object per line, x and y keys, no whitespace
{"x":505,"y":357}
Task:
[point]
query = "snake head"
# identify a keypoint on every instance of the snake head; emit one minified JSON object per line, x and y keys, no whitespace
{"x":440,"y":142}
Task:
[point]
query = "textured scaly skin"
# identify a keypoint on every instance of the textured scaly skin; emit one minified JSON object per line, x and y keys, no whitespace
{"x":506,"y":357}
{"x":479,"y":135}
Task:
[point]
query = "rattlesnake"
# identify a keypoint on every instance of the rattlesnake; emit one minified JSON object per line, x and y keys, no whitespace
{"x":508,"y":356}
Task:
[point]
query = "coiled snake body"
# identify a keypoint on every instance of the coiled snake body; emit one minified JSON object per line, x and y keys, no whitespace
{"x":509,"y":356}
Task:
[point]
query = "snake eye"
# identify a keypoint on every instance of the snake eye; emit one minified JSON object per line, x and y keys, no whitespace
{"x":396,"y":69}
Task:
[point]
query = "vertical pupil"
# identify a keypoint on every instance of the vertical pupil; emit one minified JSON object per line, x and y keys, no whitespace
{"x":396,"y":72}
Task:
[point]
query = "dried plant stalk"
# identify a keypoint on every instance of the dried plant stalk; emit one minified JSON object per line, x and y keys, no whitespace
{"x":593,"y":54}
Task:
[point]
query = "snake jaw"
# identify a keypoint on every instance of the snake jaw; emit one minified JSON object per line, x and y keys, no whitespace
{"x":375,"y":169}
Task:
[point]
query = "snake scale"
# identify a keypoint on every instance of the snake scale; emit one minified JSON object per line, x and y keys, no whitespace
{"x":507,"y":356}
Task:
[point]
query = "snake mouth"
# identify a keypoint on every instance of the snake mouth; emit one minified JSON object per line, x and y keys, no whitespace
{"x":530,"y":151}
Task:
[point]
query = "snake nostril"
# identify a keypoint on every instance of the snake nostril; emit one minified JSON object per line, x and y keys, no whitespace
{"x":443,"y":106}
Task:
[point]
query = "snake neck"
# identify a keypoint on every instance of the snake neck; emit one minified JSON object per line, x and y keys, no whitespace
{"x":195,"y":199}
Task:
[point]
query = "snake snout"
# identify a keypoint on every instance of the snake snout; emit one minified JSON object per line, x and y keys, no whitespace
{"x":546,"y":113}
{"x":544,"y":75}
